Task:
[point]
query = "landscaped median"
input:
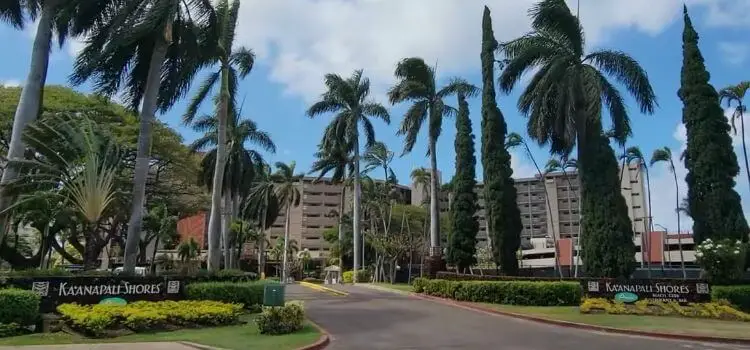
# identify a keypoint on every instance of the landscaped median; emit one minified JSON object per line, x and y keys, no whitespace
{"x":561,"y":303}
{"x":226,"y":315}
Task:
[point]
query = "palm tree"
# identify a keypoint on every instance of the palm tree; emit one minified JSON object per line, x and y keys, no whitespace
{"x":417,"y":83}
{"x":379,"y":156}
{"x":736,"y":93}
{"x":66,"y":18}
{"x":515,"y":140}
{"x":188,"y":251}
{"x":261,"y":205}
{"x":665,"y":155}
{"x":348,"y":99}
{"x":286,"y":186}
{"x":234,"y":63}
{"x":163,"y":226}
{"x":562,"y":165}
{"x":154,"y":47}
{"x":634,"y":154}
{"x":338,"y":160}
{"x":420,"y":178}
{"x":564,"y":102}
{"x":239,"y":163}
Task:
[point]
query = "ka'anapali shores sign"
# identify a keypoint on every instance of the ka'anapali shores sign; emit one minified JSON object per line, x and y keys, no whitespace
{"x":112,"y":290}
{"x":629,"y":291}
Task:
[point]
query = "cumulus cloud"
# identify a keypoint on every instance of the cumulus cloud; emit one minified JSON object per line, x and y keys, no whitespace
{"x":10,"y":83}
{"x":734,"y":53}
{"x":521,"y":165}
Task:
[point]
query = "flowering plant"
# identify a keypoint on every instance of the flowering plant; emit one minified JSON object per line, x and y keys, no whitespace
{"x":722,"y":260}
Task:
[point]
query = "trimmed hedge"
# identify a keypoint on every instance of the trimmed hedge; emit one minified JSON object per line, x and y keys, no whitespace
{"x":506,"y":292}
{"x":715,"y":310}
{"x":19,"y":307}
{"x":250,"y":294}
{"x":452,"y":276}
{"x":362,"y":276}
{"x":281,"y":319}
{"x":739,"y":296}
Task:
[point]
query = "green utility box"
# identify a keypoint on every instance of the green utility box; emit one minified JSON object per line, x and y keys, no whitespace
{"x":273,"y":295}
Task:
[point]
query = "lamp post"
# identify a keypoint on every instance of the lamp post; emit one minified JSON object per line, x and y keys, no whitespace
{"x":663,"y":242}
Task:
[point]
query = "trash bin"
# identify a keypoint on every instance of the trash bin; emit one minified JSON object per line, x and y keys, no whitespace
{"x":273,"y":295}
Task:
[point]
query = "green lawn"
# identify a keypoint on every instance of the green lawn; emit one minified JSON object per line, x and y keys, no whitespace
{"x":232,"y":337}
{"x":676,"y":325}
{"x":403,"y":287}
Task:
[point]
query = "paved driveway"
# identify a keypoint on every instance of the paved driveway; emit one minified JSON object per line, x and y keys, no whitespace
{"x":372,"y":319}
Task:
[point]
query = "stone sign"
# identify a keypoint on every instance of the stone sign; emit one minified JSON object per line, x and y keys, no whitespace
{"x":629,"y":291}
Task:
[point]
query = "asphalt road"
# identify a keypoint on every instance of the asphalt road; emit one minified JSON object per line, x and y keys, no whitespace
{"x":371,"y":319}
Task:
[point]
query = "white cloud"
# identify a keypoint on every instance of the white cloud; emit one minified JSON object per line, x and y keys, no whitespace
{"x":10,"y":83}
{"x":727,"y":13}
{"x":734,"y":53}
{"x":302,"y":40}
{"x":521,"y":165}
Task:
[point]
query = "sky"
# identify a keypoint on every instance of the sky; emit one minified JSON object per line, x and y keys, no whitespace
{"x":298,"y":41}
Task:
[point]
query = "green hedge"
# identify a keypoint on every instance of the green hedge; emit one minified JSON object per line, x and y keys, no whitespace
{"x":363,"y":276}
{"x":281,"y":319}
{"x":249,"y":294}
{"x":739,"y":296}
{"x":18,"y":306}
{"x":506,"y":292}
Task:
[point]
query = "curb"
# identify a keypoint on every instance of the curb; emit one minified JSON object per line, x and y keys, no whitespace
{"x":198,"y":346}
{"x":322,"y":342}
{"x":323,"y":289}
{"x":583,"y":326}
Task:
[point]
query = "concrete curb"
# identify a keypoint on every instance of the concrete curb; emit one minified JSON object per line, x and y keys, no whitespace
{"x":322,"y":342}
{"x":198,"y":346}
{"x":323,"y":289}
{"x":583,"y":326}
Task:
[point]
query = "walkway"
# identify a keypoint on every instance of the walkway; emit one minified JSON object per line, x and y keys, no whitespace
{"x":372,"y":319}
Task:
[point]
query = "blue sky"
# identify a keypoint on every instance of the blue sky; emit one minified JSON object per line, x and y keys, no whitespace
{"x":297,"y":41}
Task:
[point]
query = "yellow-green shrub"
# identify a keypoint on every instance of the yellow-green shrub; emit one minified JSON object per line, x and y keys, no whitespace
{"x":281,"y":319}
{"x":716,"y":310}
{"x":505,"y":292}
{"x":362,"y":276}
{"x":418,"y":284}
{"x":144,"y":315}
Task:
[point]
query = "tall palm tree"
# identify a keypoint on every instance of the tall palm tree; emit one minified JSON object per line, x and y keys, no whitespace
{"x":420,"y":177}
{"x":233,"y":63}
{"x":563,"y":165}
{"x":349,"y":100}
{"x":564,"y":102}
{"x":240,"y":161}
{"x":634,"y":154}
{"x":665,"y":155}
{"x":154,"y":47}
{"x":735,"y":94}
{"x":66,"y":18}
{"x":417,"y":83}
{"x":261,"y":205}
{"x":515,"y":140}
{"x":286,"y":186}
{"x":338,"y":160}
{"x":379,"y":156}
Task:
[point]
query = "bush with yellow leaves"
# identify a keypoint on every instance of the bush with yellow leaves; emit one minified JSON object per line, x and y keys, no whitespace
{"x":720,"y":310}
{"x":96,"y":320}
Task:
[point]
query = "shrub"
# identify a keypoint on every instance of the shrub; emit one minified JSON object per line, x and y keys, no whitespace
{"x":739,"y":296}
{"x":418,"y":284}
{"x":313,"y":280}
{"x":452,"y":276}
{"x":362,"y":276}
{"x":250,"y":294}
{"x":723,"y":260}
{"x":95,"y":320}
{"x":236,"y":275}
{"x":281,"y":319}
{"x":18,"y":306}
{"x":53,"y":272}
{"x":715,"y":310}
{"x":506,"y":292}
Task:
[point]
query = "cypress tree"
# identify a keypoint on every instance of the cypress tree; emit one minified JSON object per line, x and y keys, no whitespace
{"x":463,"y":238}
{"x":503,"y":216}
{"x":710,"y":158}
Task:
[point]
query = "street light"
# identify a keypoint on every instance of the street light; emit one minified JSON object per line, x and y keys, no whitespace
{"x":666,"y":232}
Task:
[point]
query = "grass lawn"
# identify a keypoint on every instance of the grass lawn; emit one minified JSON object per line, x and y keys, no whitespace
{"x":403,"y":287}
{"x":663,"y":324}
{"x":231,"y":337}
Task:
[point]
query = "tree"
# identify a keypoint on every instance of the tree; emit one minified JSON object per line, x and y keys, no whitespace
{"x":735,"y":94}
{"x":188,"y":251}
{"x":665,"y":155}
{"x":62,"y":17}
{"x":564,"y":102}
{"x":234,"y":63}
{"x":515,"y":140}
{"x":709,"y":158}
{"x":163,"y":228}
{"x":286,"y":186}
{"x":349,"y":100}
{"x":465,"y":226}
{"x":503,"y":216}
{"x":417,"y":83}
{"x":263,"y":206}
{"x":562,"y":165}
{"x":379,"y":156}
{"x":155,"y":47}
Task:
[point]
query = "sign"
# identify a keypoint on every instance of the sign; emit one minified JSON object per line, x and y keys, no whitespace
{"x":102,"y":290}
{"x":630,"y":291}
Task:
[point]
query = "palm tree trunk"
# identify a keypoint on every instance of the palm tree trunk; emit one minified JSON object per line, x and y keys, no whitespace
{"x":434,"y":204}
{"x":30,"y":102}
{"x":679,"y":234}
{"x":225,"y":229}
{"x":285,"y":253}
{"x":356,"y":217}
{"x":744,"y":145}
{"x":143,"y":157}
{"x":342,"y":202}
{"x":650,"y":218}
{"x":214,"y":222}
{"x":152,"y":267}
